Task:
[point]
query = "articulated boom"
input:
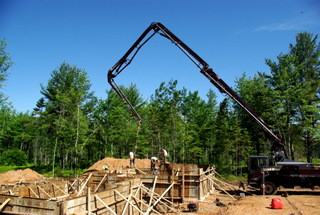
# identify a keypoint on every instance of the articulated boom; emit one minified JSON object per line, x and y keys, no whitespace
{"x":205,"y":69}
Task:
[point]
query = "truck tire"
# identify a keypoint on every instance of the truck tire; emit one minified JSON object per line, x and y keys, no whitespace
{"x":270,"y":188}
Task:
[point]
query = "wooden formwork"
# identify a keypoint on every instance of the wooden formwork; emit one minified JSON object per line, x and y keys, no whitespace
{"x":107,"y":202}
{"x":103,"y":192}
{"x":191,"y":182}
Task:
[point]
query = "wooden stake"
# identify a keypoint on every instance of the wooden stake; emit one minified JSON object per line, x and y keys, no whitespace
{"x":3,"y":205}
{"x":102,"y":181}
{"x":156,"y":194}
{"x":156,"y":202}
{"x":59,"y":189}
{"x":137,"y":199}
{"x":128,"y":201}
{"x":89,"y":201}
{"x":153,"y":187}
{"x":84,"y":185}
{"x":33,"y":192}
{"x":44,"y":192}
{"x":139,"y":170}
{"x":97,"y":197}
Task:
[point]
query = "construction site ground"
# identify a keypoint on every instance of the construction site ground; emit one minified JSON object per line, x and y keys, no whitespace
{"x":295,"y":201}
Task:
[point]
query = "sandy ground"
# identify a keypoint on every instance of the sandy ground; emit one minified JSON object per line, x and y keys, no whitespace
{"x":297,"y":202}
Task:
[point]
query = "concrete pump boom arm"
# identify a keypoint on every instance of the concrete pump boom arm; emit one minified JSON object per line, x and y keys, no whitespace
{"x":205,"y":69}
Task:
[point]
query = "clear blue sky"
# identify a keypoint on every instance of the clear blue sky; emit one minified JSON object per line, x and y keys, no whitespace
{"x":233,"y":37}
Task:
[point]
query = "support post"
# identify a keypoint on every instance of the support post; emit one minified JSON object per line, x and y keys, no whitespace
{"x":89,"y":201}
{"x":97,"y":197}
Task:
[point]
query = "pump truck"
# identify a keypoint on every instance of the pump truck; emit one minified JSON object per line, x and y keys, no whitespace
{"x":263,"y":172}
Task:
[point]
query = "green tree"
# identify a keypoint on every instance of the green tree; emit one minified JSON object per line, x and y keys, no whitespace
{"x":6,"y":110}
{"x":197,"y":118}
{"x":255,"y":92}
{"x":165,"y":120}
{"x":306,"y":55}
{"x":13,"y":157}
{"x":5,"y":64}
{"x":7,"y":126}
{"x":295,"y":79}
{"x":223,"y":143}
{"x":117,"y":126}
{"x":208,"y":132}
{"x":64,"y":101}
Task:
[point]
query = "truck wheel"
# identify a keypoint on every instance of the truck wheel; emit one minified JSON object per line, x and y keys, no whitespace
{"x":270,"y":188}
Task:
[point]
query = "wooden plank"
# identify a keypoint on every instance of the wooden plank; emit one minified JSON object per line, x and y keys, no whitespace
{"x":97,"y":197}
{"x":128,"y":201}
{"x":33,"y":192}
{"x":44,"y":192}
{"x":22,"y":205}
{"x":156,"y":202}
{"x":59,"y":189}
{"x":158,"y":195}
{"x":183,"y":185}
{"x":81,"y":189}
{"x":126,"y":205}
{"x":139,"y":170}
{"x":102,"y":181}
{"x":138,"y":200}
{"x":3,"y":205}
{"x":153,"y":187}
{"x":221,"y":188}
{"x":88,"y":201}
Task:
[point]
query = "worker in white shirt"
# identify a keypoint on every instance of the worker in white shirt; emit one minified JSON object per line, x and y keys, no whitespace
{"x":155,"y":164}
{"x":132,"y":161}
{"x":164,"y":154}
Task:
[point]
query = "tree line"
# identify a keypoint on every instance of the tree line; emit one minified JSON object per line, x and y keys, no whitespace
{"x":70,"y":128}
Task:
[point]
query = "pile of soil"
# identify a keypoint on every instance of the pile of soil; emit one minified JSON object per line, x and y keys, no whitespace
{"x":117,"y":164}
{"x":26,"y":175}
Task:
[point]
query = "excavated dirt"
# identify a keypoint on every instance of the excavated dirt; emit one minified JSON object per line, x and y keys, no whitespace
{"x":117,"y":164}
{"x":20,"y":176}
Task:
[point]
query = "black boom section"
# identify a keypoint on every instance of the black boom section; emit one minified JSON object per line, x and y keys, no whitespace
{"x":205,"y":69}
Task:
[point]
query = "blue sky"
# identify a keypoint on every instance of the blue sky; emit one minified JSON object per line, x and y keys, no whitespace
{"x":232,"y":36}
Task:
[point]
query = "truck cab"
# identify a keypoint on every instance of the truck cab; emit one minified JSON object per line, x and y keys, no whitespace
{"x":261,"y":171}
{"x":255,"y":170}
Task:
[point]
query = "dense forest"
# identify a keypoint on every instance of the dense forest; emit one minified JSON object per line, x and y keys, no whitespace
{"x":69,"y":128}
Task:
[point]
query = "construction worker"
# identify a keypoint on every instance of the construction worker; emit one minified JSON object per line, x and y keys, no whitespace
{"x":105,"y":167}
{"x":164,"y":154}
{"x":155,"y":164}
{"x":132,"y":161}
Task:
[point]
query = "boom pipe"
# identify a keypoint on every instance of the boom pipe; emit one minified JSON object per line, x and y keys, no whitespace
{"x":216,"y":80}
{"x":125,"y":99}
{"x":199,"y":62}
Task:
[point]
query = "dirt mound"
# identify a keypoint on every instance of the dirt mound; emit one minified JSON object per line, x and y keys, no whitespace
{"x":26,"y":175}
{"x":114,"y":164}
